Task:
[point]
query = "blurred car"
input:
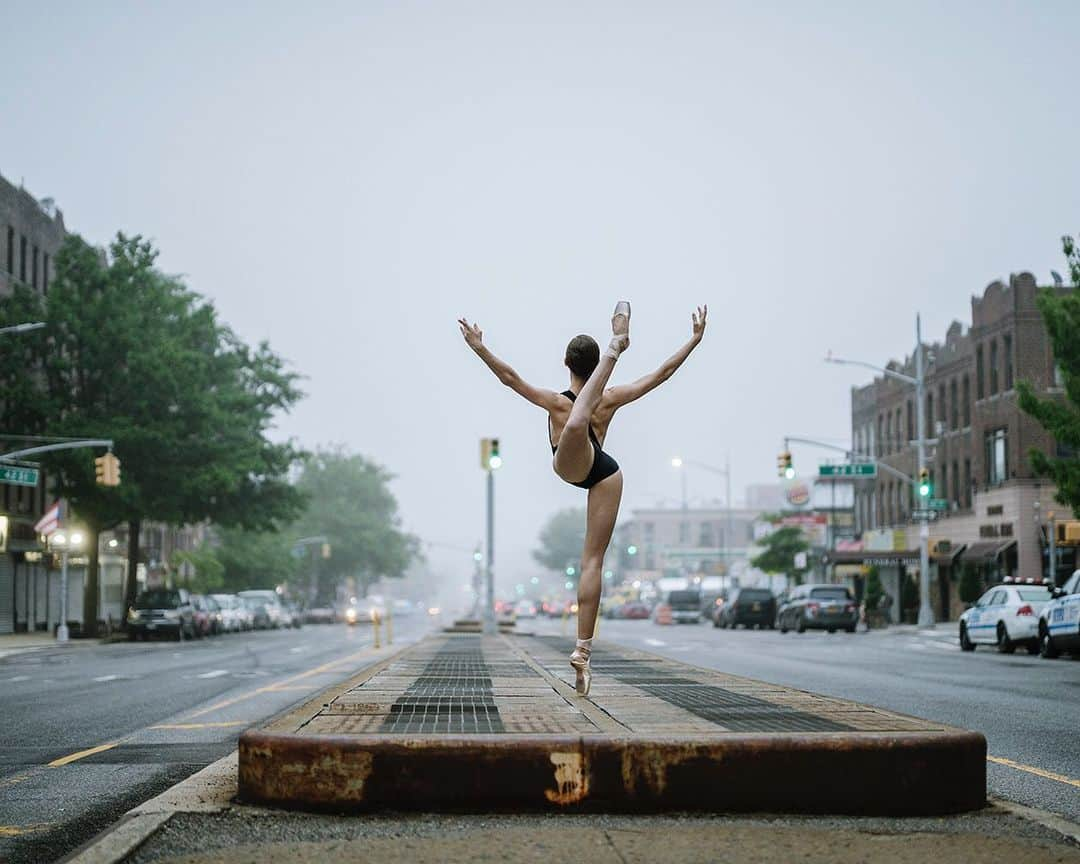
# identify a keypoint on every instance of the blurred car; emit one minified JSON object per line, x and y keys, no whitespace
{"x":525,"y":609}
{"x":267,"y":607}
{"x":632,"y":610}
{"x":683,"y":606}
{"x":256,"y":609}
{"x":749,"y":607}
{"x":1059,"y":621}
{"x":1007,"y":615}
{"x":232,"y":616}
{"x":320,"y":615}
{"x":291,"y":616}
{"x":818,"y":607}
{"x":161,"y":611}
{"x":205,"y":614}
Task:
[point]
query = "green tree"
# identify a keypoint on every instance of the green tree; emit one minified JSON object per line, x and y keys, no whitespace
{"x":254,"y":559}
{"x":874,"y":589}
{"x":350,"y":503}
{"x":780,"y":549}
{"x":209,"y":572}
{"x":562,"y":540}
{"x":133,"y":356}
{"x":1060,"y":416}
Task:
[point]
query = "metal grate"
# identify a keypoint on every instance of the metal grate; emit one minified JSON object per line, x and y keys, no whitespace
{"x":452,"y":694}
{"x":732,"y":710}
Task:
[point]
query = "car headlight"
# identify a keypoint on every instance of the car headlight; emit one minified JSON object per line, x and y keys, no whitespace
{"x":350,"y":615}
{"x":133,"y":614}
{"x":172,"y":614}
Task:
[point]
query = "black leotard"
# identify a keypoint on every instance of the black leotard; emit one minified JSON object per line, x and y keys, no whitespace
{"x":603,"y":466}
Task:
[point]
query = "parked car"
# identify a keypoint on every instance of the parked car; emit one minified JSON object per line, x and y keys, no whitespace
{"x":684,"y":606}
{"x":291,"y":616}
{"x":161,"y":611}
{"x":633,"y":610}
{"x":818,"y":607}
{"x":749,"y":607}
{"x":320,"y":615}
{"x":1059,"y":621}
{"x":525,"y":609}
{"x":205,"y":615}
{"x":266,"y":606}
{"x":1007,"y":615}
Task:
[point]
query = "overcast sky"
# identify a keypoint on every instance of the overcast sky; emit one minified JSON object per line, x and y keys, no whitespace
{"x":346,"y":179}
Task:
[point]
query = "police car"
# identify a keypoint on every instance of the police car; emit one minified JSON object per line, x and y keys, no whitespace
{"x":1006,"y":616}
{"x":1059,"y":621}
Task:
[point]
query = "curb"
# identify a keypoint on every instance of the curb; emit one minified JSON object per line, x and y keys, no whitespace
{"x":870,"y":774}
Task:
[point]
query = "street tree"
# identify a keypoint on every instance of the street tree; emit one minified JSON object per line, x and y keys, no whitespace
{"x":349,"y":502}
{"x":780,"y":549}
{"x":134,"y":356}
{"x":561,"y":541}
{"x":1060,"y":415}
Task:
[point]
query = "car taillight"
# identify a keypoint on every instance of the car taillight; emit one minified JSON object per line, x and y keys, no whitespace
{"x":1025,"y":610}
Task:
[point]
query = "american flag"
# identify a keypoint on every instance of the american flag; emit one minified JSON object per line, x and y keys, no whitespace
{"x":51,"y":520}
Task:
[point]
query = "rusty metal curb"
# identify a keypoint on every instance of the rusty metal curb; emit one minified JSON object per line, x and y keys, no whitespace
{"x":868,"y":774}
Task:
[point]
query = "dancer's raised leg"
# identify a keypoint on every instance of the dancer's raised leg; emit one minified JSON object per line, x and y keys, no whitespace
{"x":574,"y":457}
{"x":603,"y":510}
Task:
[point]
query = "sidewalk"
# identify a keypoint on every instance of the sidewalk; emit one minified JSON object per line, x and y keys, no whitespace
{"x":493,"y":723}
{"x":21,"y":643}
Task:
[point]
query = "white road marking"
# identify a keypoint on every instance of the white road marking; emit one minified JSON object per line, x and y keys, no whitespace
{"x":656,"y":643}
{"x":217,"y":673}
{"x":103,"y":678}
{"x":18,"y":678}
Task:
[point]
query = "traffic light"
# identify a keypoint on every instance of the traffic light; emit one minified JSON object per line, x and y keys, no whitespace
{"x":925,"y":487}
{"x":490,"y":460}
{"x":107,"y":470}
{"x":784,"y":467}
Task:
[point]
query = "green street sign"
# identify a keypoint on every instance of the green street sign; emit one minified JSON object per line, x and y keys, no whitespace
{"x":853,"y":469}
{"x":937,"y":504}
{"x":16,"y":475}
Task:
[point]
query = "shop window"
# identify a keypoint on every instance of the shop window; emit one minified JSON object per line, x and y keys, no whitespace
{"x":1006,"y":350}
{"x":997,"y":457}
{"x":993,"y":367}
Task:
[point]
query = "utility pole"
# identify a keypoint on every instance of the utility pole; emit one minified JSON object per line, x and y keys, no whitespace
{"x":490,"y":461}
{"x":926,"y":613}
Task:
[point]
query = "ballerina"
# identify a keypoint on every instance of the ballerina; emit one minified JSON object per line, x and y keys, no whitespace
{"x":578,"y":422}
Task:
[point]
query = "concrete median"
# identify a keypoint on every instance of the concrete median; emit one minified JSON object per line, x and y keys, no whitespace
{"x":474,"y":723}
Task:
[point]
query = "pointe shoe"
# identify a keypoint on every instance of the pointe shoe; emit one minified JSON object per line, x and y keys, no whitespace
{"x":620,"y":328}
{"x":579,"y":662}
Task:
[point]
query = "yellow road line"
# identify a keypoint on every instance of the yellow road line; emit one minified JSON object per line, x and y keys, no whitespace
{"x":16,"y":830}
{"x":82,"y":754}
{"x":1038,"y":772}
{"x":199,"y":725}
{"x":270,"y":688}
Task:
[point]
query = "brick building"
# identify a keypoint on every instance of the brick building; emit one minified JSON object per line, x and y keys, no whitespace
{"x":980,"y":462}
{"x":31,"y":233}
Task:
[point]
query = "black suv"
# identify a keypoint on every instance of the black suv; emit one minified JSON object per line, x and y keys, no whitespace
{"x":747,"y":606}
{"x":162,"y":611}
{"x":818,"y":607}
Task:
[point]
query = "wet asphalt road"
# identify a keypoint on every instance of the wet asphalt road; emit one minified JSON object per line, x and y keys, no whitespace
{"x":160,"y":711}
{"x":1028,"y":708}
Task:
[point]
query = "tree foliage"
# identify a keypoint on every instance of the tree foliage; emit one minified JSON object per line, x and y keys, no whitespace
{"x":780,"y":549}
{"x":130,"y":354}
{"x":1060,"y":417}
{"x":562,"y":540}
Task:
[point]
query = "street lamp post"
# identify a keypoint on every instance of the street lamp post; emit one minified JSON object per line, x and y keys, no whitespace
{"x":64,"y":543}
{"x":926,"y":613}
{"x":680,"y":463}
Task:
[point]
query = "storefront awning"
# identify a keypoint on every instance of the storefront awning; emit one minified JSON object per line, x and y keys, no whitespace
{"x":985,"y":552}
{"x":947,"y":558}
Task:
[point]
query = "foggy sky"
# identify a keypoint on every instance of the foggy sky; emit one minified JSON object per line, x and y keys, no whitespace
{"x":346,"y":179}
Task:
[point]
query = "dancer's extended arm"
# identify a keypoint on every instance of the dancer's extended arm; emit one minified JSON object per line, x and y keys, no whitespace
{"x":625,"y":393}
{"x":474,"y":338}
